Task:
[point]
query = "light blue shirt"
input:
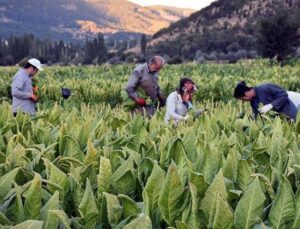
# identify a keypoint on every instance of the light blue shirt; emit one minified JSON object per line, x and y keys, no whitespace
{"x":21,"y":91}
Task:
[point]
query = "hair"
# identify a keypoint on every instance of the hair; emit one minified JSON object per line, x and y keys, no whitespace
{"x":28,"y":65}
{"x":241,"y":89}
{"x":156,"y":60}
{"x":182,"y":83}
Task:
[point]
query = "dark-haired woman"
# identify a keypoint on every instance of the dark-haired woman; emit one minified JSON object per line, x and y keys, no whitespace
{"x":270,"y":95}
{"x":180,"y":101}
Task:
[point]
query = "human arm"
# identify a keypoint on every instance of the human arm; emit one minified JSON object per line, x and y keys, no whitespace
{"x":17,"y":89}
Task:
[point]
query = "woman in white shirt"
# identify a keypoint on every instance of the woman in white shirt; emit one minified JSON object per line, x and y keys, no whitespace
{"x":180,"y":101}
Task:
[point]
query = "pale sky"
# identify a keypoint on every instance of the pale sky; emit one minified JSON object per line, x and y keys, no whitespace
{"x":193,"y":4}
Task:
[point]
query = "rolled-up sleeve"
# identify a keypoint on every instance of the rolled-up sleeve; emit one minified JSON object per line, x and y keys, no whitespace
{"x":17,"y":89}
{"x":132,"y":85}
{"x":280,"y":96}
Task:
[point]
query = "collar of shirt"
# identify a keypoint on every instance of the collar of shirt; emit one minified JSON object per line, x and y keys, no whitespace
{"x":148,"y":69}
{"x":25,"y":72}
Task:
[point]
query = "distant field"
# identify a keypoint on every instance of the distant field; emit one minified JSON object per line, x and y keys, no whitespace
{"x":86,"y":163}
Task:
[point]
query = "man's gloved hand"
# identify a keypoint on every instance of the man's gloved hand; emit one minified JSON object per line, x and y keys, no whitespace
{"x":35,"y":89}
{"x":140,"y":102}
{"x":185,"y":118}
{"x":34,"y":98}
{"x":266,"y":108}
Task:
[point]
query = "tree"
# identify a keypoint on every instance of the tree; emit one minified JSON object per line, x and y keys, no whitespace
{"x":277,"y":36}
{"x":143,"y":44}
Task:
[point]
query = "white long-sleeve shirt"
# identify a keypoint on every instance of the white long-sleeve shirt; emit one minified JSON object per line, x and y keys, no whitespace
{"x":176,"y":108}
{"x":295,"y":98}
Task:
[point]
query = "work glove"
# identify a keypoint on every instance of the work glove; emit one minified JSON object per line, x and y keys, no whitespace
{"x":265,"y":109}
{"x":186,"y":118}
{"x":34,"y":98}
{"x":140,"y":102}
{"x":35,"y":89}
{"x":199,"y":112}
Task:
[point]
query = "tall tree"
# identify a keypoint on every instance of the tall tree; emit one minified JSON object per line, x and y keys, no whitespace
{"x":277,"y":35}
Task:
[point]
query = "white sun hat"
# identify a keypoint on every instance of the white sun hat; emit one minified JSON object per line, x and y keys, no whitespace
{"x":36,"y":63}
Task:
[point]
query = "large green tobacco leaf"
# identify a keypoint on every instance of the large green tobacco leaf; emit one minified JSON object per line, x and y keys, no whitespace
{"x":114,"y":209}
{"x":87,"y":208}
{"x":33,"y":201}
{"x":104,"y":176}
{"x":208,"y":203}
{"x":211,"y":164}
{"x":57,"y":177}
{"x":6,"y":182}
{"x":54,"y":217}
{"x":91,"y":155}
{"x":296,"y":223}
{"x":142,"y":221}
{"x":243,"y":174}
{"x":250,"y":207}
{"x":130,"y":207}
{"x":283,"y":208}
{"x":152,"y":190}
{"x":193,"y":220}
{"x":52,"y":204}
{"x":29,"y":224}
{"x":171,"y":196}
{"x":224,"y":215}
{"x":19,"y":215}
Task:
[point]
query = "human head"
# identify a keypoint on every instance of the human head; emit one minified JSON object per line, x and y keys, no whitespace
{"x":186,"y":85}
{"x":243,"y":92}
{"x":33,"y":66}
{"x":156,"y":63}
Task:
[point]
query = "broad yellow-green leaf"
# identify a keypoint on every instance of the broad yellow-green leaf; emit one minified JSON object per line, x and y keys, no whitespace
{"x":180,"y":225}
{"x":171,"y":196}
{"x":283,"y":208}
{"x":129,"y":206}
{"x":193,"y":220}
{"x":114,"y":209}
{"x":52,"y":204}
{"x":142,"y":221}
{"x":58,"y":177}
{"x":33,"y":201}
{"x":208,"y":203}
{"x":91,"y":155}
{"x":152,"y":190}
{"x":250,"y":207}
{"x":296,"y":223}
{"x":231,"y":166}
{"x":243,"y":174}
{"x":224,"y":215}
{"x":198,"y":180}
{"x":56,"y":216}
{"x":29,"y":224}
{"x":19,"y":215}
{"x":104,"y":176}
{"x":126,"y":184}
{"x":6,"y":182}
{"x":87,"y":208}
{"x":212,"y":158}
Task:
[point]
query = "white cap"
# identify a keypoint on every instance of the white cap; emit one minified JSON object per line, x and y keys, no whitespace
{"x":36,"y":63}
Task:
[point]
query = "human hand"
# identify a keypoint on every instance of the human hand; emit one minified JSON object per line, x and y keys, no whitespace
{"x":140,"y":101}
{"x":34,"y":98}
{"x":186,"y":118}
{"x":265,"y":109}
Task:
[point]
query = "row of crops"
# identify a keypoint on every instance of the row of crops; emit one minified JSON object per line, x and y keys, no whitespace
{"x":86,"y":163}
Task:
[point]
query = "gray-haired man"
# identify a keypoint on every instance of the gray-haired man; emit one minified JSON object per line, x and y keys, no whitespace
{"x":145,"y":77}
